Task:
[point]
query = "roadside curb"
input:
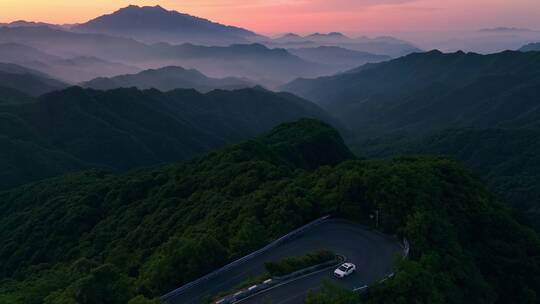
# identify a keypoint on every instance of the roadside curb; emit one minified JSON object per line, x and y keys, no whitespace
{"x":273,"y":244}
{"x":277,"y":285}
{"x":406,"y":248}
{"x":340,"y":259}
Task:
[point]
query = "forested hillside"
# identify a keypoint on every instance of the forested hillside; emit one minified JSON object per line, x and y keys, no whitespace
{"x":122,"y":129}
{"x":25,"y":81}
{"x":11,"y":96}
{"x":507,"y":160}
{"x":96,"y":237}
{"x":430,"y":91}
{"x":481,"y":109}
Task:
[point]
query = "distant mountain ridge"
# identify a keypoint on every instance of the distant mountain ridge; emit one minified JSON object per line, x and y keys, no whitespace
{"x":387,"y":46}
{"x":121,"y":129}
{"x":24,"y":23}
{"x":507,"y":159}
{"x":168,"y":78}
{"x":73,"y":69}
{"x":503,"y":29}
{"x":433,"y":90}
{"x":483,"y":110}
{"x":343,"y":59}
{"x":156,"y":24}
{"x":254,"y":61}
{"x":531,"y":47}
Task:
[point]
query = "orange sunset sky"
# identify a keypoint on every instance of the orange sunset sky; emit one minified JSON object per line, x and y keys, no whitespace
{"x":274,"y":16}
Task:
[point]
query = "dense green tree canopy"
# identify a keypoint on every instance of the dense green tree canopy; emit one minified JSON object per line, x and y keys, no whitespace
{"x":96,"y":237}
{"x":76,"y":129}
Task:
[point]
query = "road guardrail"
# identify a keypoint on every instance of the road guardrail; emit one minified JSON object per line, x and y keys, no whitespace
{"x":406,"y":248}
{"x":275,"y":243}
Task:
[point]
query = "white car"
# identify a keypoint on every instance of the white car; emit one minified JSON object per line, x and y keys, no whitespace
{"x":344,"y":270}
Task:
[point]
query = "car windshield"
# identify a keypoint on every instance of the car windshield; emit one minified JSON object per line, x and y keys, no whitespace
{"x":343,"y":268}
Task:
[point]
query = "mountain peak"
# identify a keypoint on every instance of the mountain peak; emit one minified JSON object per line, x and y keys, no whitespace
{"x":291,"y":35}
{"x":132,"y":7}
{"x":153,"y":24}
{"x":336,"y":34}
{"x":333,"y":35}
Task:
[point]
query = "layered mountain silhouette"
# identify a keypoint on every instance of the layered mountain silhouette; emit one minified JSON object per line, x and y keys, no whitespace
{"x":169,"y":78}
{"x":481,"y":109}
{"x":74,"y":69}
{"x":429,"y":91}
{"x":531,"y":47}
{"x":24,"y":23}
{"x":505,"y":30}
{"x":156,"y":24}
{"x":508,"y":160}
{"x":18,"y":82}
{"x":254,"y":61}
{"x":387,"y":46}
{"x":122,"y":129}
{"x":341,"y":58}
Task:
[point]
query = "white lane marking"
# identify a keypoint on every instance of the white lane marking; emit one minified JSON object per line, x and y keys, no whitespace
{"x":360,"y":288}
{"x":285,"y":283}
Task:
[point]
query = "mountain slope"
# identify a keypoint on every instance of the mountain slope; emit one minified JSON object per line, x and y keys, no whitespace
{"x":128,"y":128}
{"x":24,"y":23}
{"x":168,"y":78}
{"x":343,"y":59}
{"x":253,"y":61}
{"x":155,"y":24}
{"x":10,"y":96}
{"x":68,"y":44}
{"x":26,"y":81}
{"x":507,"y":160}
{"x":95,"y":237}
{"x":408,"y":105}
{"x":74,"y":69}
{"x":386,"y":46}
{"x":531,"y":47}
{"x":429,"y":91}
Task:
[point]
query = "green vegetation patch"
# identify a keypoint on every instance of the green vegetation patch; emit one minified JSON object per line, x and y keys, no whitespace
{"x":289,"y":265}
{"x":95,"y":237}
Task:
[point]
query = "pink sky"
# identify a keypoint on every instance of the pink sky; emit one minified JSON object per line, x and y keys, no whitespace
{"x":275,"y":16}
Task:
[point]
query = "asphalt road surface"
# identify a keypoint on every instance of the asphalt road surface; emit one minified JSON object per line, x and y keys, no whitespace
{"x":372,"y":252}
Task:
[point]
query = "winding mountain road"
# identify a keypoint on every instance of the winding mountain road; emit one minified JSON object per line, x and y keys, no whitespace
{"x":372,"y":252}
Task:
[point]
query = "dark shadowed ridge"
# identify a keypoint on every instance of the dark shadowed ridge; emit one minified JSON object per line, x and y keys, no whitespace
{"x":168,"y":78}
{"x":481,"y":109}
{"x":123,"y":129}
{"x":27,"y":81}
{"x":111,"y":238}
{"x":427,"y":91}
{"x":344,"y":59}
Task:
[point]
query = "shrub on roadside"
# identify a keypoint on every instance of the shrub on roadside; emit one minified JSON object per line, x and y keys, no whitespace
{"x":289,"y":265}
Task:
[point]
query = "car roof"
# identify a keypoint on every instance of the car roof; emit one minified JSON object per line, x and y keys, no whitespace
{"x":347,"y":265}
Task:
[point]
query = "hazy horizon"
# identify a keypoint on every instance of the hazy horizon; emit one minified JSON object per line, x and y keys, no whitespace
{"x":304,"y":16}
